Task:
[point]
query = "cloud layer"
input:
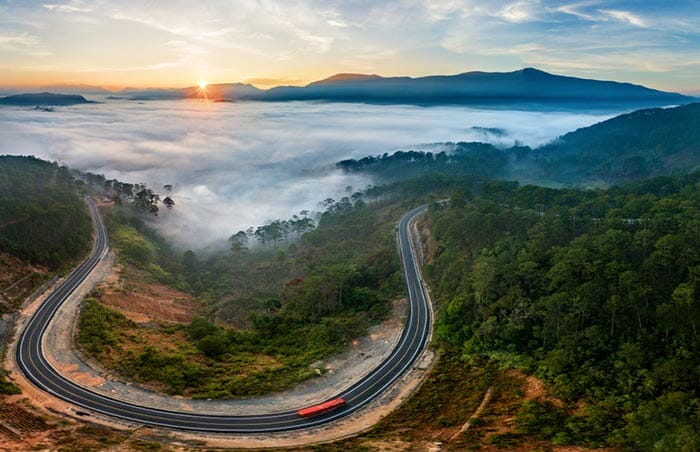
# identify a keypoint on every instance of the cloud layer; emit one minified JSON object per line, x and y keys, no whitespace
{"x":239,"y":165}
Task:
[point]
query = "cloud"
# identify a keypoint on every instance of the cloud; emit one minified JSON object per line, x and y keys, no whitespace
{"x":625,"y":16}
{"x":443,"y":10}
{"x":264,"y":29}
{"x":518,"y":12}
{"x":239,"y":165}
{"x":18,"y":40}
{"x":575,"y":9}
{"x":73,"y":7}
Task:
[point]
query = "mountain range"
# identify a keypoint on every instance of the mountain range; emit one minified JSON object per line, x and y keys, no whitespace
{"x":528,"y":86}
{"x":525,"y":85}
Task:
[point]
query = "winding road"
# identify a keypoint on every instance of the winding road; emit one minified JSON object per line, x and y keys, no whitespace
{"x":31,"y":360}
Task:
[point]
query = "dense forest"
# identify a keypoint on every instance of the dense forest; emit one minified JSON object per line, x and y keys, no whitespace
{"x":595,"y":291}
{"x":42,"y":218}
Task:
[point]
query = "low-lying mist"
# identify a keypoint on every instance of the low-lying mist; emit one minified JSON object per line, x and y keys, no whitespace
{"x":235,"y":165}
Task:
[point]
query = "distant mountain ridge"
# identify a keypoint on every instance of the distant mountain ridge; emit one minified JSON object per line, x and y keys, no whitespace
{"x":80,"y":89}
{"x":42,"y":99}
{"x":471,"y":87}
{"x":346,"y":78}
{"x":525,"y":85}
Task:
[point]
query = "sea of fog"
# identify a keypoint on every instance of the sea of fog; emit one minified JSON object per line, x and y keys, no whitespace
{"x":235,"y":165}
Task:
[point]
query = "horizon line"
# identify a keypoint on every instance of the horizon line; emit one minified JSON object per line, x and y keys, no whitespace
{"x":693,"y":92}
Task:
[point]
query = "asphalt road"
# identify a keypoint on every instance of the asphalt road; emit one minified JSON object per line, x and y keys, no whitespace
{"x":33,"y":363}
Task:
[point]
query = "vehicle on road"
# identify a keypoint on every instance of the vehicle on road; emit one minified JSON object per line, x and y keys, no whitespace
{"x":321,"y":407}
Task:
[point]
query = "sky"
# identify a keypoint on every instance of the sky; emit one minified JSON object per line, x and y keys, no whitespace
{"x":174,"y":43}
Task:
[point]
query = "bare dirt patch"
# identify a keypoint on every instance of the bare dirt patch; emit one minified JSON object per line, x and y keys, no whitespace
{"x":84,"y":378}
{"x":146,"y":302}
{"x":395,"y":445}
{"x":534,"y":388}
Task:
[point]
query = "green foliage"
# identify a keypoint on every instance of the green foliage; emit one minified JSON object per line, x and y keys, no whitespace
{"x":213,"y":345}
{"x":42,"y":218}
{"x":199,"y":328}
{"x":541,"y":419}
{"x":142,"y":247}
{"x":306,"y":300}
{"x":669,"y":423}
{"x":98,"y":326}
{"x":137,"y":198}
{"x":594,"y":291}
{"x":133,"y":247}
{"x":172,"y":369}
{"x":7,"y":387}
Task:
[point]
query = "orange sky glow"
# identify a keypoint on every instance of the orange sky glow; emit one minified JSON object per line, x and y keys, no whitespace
{"x":268,"y":43}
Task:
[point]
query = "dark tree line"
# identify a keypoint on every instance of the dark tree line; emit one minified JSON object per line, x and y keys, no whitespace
{"x":476,"y":159}
{"x":140,"y":196}
{"x":42,"y":218}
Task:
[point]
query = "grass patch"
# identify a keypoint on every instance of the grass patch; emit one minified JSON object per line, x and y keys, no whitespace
{"x":167,"y":358}
{"x":100,"y":327}
{"x":7,"y":387}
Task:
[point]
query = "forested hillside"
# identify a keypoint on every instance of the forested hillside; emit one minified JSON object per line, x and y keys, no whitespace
{"x":644,"y":143}
{"x":596,"y":292}
{"x":640,"y":144}
{"x":44,"y":227}
{"x":477,"y":160}
{"x":42,"y":218}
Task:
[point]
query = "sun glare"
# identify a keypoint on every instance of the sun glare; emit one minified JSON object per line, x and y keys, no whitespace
{"x":203,"y":84}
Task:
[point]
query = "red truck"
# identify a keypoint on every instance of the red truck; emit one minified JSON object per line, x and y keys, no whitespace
{"x":321,"y":407}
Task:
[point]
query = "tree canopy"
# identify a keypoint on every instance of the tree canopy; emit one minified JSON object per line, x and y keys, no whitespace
{"x":42,"y":218}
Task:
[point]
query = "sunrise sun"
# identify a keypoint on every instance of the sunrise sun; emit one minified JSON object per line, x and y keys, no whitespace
{"x":203,"y":84}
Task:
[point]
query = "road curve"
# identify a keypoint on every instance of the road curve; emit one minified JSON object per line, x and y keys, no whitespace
{"x":31,"y":360}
